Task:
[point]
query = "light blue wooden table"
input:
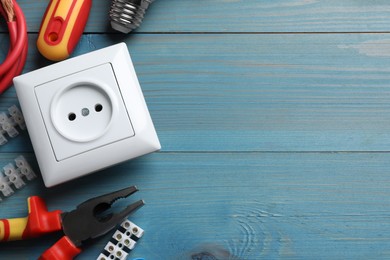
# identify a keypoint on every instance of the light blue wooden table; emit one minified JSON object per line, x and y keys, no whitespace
{"x":274,"y":120}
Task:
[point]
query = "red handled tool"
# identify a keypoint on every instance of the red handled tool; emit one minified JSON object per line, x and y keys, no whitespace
{"x":78,"y":226}
{"x":61,"y":28}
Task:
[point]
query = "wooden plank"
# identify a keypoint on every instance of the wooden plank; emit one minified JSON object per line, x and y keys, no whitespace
{"x":275,"y":93}
{"x":228,"y":97}
{"x":250,"y":205}
{"x":240,"y":16}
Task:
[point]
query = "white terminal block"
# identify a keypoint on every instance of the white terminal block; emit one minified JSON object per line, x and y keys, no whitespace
{"x":85,"y":114}
{"x":13,"y":176}
{"x":7,"y":125}
{"x":5,"y":187}
{"x":115,"y":252}
{"x":17,"y":116}
{"x":122,"y":242}
{"x":24,"y":168}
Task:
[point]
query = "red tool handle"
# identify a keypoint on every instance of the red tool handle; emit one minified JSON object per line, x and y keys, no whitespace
{"x":38,"y":222}
{"x":61,"y":27}
{"x":64,"y":249}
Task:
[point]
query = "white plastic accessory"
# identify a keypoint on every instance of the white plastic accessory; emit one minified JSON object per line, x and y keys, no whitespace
{"x":17,"y":116}
{"x":9,"y":123}
{"x":5,"y":187}
{"x":122,"y":242}
{"x":15,"y":177}
{"x":24,"y":168}
{"x":86,"y":113}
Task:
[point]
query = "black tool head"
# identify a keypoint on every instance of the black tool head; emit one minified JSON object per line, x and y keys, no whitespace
{"x":83,"y":223}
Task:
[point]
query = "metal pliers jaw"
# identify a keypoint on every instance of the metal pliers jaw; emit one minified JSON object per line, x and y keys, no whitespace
{"x":84,"y":223}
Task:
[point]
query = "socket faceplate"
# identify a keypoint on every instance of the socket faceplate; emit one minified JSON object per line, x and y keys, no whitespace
{"x":85,"y":113}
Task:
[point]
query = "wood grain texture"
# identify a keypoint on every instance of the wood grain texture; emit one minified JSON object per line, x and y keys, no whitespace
{"x":240,"y":16}
{"x":275,"y":93}
{"x":253,"y":205}
{"x":274,"y":123}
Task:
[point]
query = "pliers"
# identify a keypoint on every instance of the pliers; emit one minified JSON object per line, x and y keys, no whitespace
{"x":80,"y":225}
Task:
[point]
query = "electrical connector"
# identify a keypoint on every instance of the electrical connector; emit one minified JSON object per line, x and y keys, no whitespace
{"x":7,"y":125}
{"x":24,"y":168}
{"x":115,"y":252}
{"x":87,"y":111}
{"x":3,"y":140}
{"x":17,"y":116}
{"x":10,"y":123}
{"x":122,"y":242}
{"x":5,"y":187}
{"x":15,"y":177}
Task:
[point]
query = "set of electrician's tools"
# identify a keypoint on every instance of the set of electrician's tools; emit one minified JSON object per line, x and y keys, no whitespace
{"x":61,"y":28}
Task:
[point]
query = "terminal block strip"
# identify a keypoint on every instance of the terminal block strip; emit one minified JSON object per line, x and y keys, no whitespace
{"x":14,"y":176}
{"x":122,"y":242}
{"x":10,"y":122}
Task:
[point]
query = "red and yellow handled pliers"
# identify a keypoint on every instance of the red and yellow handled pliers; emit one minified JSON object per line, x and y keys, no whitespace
{"x":86,"y":222}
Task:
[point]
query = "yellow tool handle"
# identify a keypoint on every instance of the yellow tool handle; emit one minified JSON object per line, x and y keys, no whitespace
{"x":12,"y":229}
{"x":61,"y":28}
{"x":38,"y":222}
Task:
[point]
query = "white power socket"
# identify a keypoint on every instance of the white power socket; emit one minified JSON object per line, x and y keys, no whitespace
{"x":85,"y":113}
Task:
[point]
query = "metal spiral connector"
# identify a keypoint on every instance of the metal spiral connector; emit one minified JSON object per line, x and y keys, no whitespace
{"x":127,"y":15}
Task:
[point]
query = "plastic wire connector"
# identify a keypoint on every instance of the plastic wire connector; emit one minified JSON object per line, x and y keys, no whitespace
{"x":122,"y":242}
{"x":5,"y":187}
{"x":9,"y":123}
{"x":3,"y":140}
{"x":15,"y":177}
{"x":115,"y":251}
{"x":24,"y":168}
{"x":17,"y":116}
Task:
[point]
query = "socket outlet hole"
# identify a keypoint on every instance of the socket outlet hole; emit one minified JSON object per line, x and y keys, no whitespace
{"x":85,"y":111}
{"x":98,"y":107}
{"x":72,"y":116}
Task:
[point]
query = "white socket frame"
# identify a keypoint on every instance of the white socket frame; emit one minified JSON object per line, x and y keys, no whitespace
{"x":63,"y":156}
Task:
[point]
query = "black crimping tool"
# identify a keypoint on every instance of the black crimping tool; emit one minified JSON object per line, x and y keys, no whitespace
{"x":79,"y":226}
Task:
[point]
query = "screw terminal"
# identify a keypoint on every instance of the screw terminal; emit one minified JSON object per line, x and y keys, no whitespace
{"x":14,"y":177}
{"x":115,"y":252}
{"x":8,"y":123}
{"x":24,"y":168}
{"x":17,"y":116}
{"x":122,"y":242}
{"x":3,"y":140}
{"x":5,"y":187}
